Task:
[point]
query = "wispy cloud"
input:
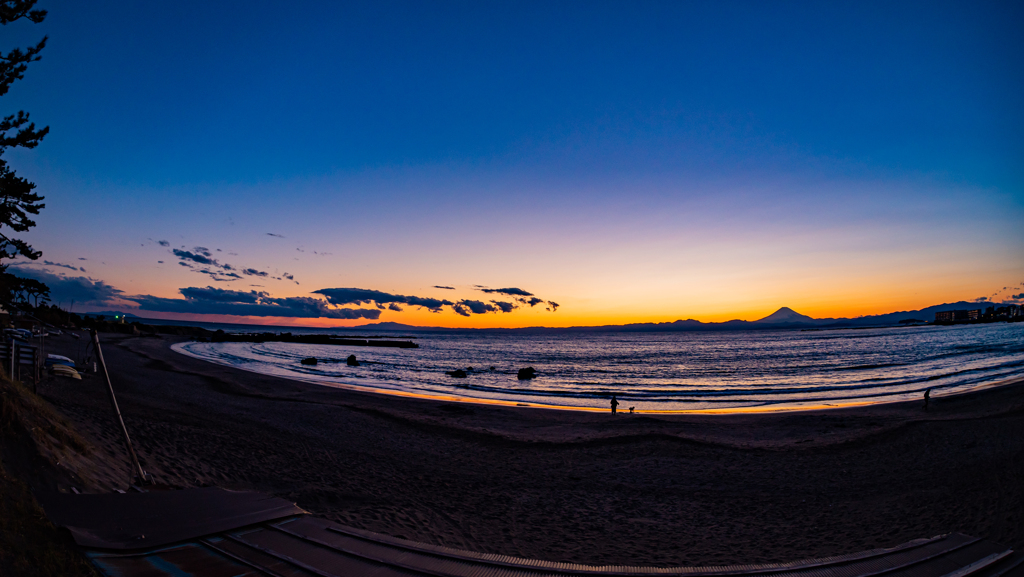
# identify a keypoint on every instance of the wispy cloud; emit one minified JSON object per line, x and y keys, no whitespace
{"x":317,"y":253}
{"x":200,"y":259}
{"x":62,"y":265}
{"x":521,"y":296}
{"x":220,"y":276}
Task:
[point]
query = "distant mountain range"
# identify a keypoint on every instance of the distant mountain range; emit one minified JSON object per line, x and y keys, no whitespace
{"x":784,"y":318}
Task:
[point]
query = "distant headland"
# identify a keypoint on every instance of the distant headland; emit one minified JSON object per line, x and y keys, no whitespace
{"x":784,"y":318}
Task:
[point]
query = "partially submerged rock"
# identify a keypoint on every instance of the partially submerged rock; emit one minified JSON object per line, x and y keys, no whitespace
{"x":309,"y":361}
{"x":457,"y":373}
{"x":351,"y":361}
{"x":525,"y":374}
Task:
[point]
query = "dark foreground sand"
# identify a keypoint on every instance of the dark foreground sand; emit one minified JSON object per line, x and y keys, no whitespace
{"x":566,"y":486}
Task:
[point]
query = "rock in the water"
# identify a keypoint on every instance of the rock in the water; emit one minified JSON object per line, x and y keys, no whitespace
{"x":351,"y":361}
{"x":309,"y":361}
{"x":457,"y":373}
{"x":527,"y":373}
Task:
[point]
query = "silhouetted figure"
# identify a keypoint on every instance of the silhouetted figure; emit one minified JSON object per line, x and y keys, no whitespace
{"x":351,"y":361}
{"x":615,"y":404}
{"x":927,"y":396}
{"x":631,"y":410}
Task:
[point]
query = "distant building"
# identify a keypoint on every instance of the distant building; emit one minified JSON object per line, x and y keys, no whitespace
{"x":1003,"y":313}
{"x":957,"y":316}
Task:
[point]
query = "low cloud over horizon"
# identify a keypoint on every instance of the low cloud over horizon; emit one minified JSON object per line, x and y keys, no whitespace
{"x":198,"y":300}
{"x":464,"y":307}
{"x":64,"y":289}
{"x":214,"y":301}
{"x":380,"y":299}
{"x":329,"y":303}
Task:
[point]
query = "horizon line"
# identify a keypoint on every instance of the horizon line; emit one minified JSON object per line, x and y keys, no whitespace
{"x":652,"y":323}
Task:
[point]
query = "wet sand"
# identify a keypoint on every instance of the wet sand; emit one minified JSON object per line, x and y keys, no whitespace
{"x":565,"y":485}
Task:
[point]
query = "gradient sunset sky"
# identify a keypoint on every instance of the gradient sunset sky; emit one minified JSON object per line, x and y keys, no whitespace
{"x":629,"y":161}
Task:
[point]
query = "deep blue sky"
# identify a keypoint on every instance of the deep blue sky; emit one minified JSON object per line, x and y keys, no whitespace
{"x":187,"y":108}
{"x":189,"y":92}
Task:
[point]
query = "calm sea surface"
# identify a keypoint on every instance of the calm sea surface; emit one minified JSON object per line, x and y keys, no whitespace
{"x":660,"y":371}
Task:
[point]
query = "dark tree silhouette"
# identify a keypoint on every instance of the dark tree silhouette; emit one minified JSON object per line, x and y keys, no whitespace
{"x":18,"y":199}
{"x":34,"y":290}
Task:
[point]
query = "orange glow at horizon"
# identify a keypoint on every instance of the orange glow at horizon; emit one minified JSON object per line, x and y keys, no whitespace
{"x":813,"y":305}
{"x":621,"y":272}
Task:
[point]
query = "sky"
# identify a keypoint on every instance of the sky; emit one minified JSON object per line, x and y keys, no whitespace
{"x":338,"y":163}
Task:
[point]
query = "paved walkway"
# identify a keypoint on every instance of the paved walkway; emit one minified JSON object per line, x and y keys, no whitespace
{"x":307,"y":546}
{"x":215,"y":533}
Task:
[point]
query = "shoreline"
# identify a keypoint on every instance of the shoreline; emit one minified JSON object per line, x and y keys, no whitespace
{"x":765,"y":407}
{"x":572,"y":486}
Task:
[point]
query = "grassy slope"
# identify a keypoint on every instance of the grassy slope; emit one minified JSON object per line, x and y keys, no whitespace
{"x":29,"y":543}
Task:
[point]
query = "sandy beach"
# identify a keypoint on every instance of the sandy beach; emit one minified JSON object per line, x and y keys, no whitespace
{"x":563,"y":485}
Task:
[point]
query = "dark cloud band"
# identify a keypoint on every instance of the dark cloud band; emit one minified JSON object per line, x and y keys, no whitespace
{"x":357,"y":296}
{"x":214,"y":301}
{"x":81,"y":290}
{"x":512,"y":292}
{"x":465,"y":307}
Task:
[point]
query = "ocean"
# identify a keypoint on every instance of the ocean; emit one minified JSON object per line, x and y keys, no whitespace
{"x":682,"y":371}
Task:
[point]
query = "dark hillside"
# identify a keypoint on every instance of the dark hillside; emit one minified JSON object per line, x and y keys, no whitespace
{"x":31,"y":435}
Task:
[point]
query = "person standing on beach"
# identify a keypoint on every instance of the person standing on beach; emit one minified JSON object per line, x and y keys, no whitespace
{"x":927,"y":395}
{"x":615,"y":403}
